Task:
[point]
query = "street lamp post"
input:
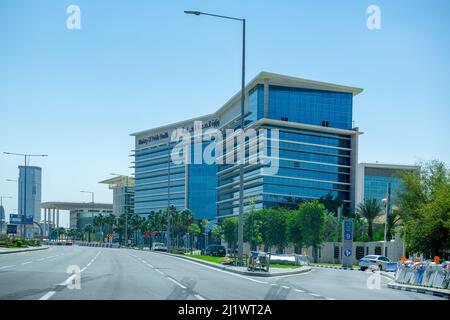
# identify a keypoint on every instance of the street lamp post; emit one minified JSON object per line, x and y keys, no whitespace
{"x":92,"y":211}
{"x":241,"y":164}
{"x":4,"y":213}
{"x":24,"y":209}
{"x":126,"y":205}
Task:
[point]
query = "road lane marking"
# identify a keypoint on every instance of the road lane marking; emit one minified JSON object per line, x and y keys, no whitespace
{"x":285,"y":287}
{"x":218,"y":270}
{"x":4,"y":267}
{"x":298,"y":290}
{"x":28,"y":262}
{"x":68,"y":280}
{"x":315,"y":295}
{"x":159,"y":271}
{"x":148,"y":264}
{"x":48,"y":295}
{"x":177,"y":283}
{"x":330,"y":299}
{"x":83,"y":269}
{"x":199,"y":297}
{"x":41,"y":259}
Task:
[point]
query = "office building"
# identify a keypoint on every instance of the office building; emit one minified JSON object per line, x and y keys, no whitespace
{"x":373,"y":179}
{"x":304,"y":136}
{"x":123,"y":194}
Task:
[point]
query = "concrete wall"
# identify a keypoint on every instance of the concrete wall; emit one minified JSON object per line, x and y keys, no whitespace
{"x":326,"y":253}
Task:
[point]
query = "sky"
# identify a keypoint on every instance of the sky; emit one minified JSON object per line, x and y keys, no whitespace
{"x":76,"y":95}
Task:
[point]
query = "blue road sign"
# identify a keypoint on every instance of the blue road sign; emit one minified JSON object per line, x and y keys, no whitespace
{"x":11,"y":229}
{"x":14,"y":219}
{"x":348,"y":230}
{"x":348,"y":252}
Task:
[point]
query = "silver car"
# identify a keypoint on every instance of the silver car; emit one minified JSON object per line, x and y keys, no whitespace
{"x":380,"y":262}
{"x":159,"y":246}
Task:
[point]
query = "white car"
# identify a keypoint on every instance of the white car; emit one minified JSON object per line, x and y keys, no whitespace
{"x":159,"y":246}
{"x":380,"y":262}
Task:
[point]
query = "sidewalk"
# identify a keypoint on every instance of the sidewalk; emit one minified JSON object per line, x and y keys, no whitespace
{"x":273,"y":272}
{"x":9,"y":250}
{"x":432,"y":291}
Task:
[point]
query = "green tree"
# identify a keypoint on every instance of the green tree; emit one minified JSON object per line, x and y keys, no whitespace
{"x":230,"y":231}
{"x":194,"y":230}
{"x":369,"y":209}
{"x":392,"y":220}
{"x":276,"y":228}
{"x":217,"y":233}
{"x":254,"y":227}
{"x":88,"y":229}
{"x":424,"y":209}
{"x":312,"y":216}
{"x":331,"y":203}
{"x":294,"y":230}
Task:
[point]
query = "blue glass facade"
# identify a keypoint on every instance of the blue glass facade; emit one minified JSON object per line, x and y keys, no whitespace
{"x":376,"y":183}
{"x":158,"y":181}
{"x":192,"y":186}
{"x":308,"y":132}
{"x":32,"y":188}
{"x":313,"y":107}
{"x":311,"y":163}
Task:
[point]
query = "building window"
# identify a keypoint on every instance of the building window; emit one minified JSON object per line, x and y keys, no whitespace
{"x":284,"y":119}
{"x":336,"y":252}
{"x":325,"y":123}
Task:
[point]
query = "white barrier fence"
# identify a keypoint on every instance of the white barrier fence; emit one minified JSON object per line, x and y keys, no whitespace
{"x":424,"y":274}
{"x":98,"y":244}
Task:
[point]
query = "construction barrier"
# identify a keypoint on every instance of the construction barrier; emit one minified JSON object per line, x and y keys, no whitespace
{"x":97,"y":244}
{"x":427,"y":274}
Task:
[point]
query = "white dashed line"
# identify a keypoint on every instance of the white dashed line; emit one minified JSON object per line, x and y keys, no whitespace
{"x":199,"y":297}
{"x":28,"y":262}
{"x":177,"y":283}
{"x":148,"y":264}
{"x":48,"y":295}
{"x":330,"y":299}
{"x":4,"y":267}
{"x":315,"y":295}
{"x":158,"y":271}
{"x":68,"y":280}
{"x":218,"y":270}
{"x":298,"y":290}
{"x":286,"y":287}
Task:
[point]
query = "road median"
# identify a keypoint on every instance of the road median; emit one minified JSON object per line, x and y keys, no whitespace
{"x":17,"y":250}
{"x":418,"y":289}
{"x":273,"y":272}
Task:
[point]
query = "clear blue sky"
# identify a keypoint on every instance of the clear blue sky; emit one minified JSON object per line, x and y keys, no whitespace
{"x":78,"y":94}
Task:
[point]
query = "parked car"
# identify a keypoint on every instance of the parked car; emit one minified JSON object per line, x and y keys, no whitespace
{"x":377,"y":261}
{"x":216,"y":250}
{"x":159,"y":246}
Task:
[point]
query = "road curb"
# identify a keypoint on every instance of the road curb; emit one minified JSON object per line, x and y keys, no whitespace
{"x":226,"y":268}
{"x":24,"y":250}
{"x":424,"y":290}
{"x":333,"y":267}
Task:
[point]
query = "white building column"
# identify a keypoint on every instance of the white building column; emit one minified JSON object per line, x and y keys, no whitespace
{"x":44,"y":227}
{"x":53,"y":218}
{"x":57,"y":218}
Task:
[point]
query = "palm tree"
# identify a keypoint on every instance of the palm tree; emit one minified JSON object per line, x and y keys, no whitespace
{"x":392,"y":220}
{"x":369,"y":209}
{"x":88,"y":229}
{"x":186,"y":218}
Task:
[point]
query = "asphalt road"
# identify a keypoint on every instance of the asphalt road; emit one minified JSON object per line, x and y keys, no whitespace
{"x":130,"y":274}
